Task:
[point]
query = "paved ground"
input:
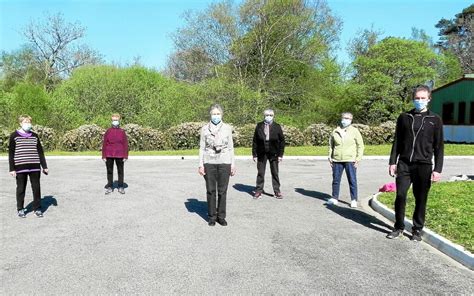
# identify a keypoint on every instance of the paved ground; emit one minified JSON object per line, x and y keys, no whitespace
{"x":155,"y":238}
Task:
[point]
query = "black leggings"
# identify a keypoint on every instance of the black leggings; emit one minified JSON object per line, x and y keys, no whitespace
{"x":21,"y":180}
{"x":110,"y":171}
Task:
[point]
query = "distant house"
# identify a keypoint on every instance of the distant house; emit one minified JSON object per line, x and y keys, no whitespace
{"x":454,"y":102}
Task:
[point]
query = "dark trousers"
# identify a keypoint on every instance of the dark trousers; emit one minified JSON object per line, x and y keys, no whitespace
{"x":110,"y":171}
{"x":217,"y":180}
{"x":351,"y":173}
{"x":261,"y":167}
{"x":21,"y":180}
{"x":420,"y":175}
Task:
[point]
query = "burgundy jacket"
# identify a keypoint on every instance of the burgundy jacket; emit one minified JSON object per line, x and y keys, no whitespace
{"x":115,"y":143}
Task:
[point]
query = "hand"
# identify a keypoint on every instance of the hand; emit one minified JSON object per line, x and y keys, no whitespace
{"x":201,"y":171}
{"x":435,"y":176}
{"x":13,"y":173}
{"x":232,"y":170}
{"x":356,"y":163}
{"x":104,"y":159}
{"x":392,"y":170}
{"x":125,"y":159}
{"x":254,"y":159}
{"x":45,"y":171}
{"x":280,"y":159}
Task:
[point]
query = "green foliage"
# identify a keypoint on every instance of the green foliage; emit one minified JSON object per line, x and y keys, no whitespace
{"x":243,"y":135}
{"x":4,"y":138}
{"x":144,"y":139}
{"x":185,"y":135}
{"x":293,"y":136}
{"x":376,"y":135}
{"x":318,"y":134}
{"x":86,"y":137}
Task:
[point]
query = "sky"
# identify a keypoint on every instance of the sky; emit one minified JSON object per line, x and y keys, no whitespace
{"x":124,"y":29}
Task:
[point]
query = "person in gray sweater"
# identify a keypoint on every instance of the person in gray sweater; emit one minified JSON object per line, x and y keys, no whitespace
{"x":216,"y":164}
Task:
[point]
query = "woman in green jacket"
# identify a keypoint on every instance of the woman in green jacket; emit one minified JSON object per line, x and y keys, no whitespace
{"x":346,"y":148}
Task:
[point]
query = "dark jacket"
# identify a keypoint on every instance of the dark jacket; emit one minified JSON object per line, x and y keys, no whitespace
{"x":420,"y":147}
{"x":21,"y":156}
{"x":115,"y":143}
{"x":276,"y":143}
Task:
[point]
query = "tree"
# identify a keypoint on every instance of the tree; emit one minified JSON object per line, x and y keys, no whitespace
{"x":364,"y":40}
{"x":456,"y":35}
{"x":55,"y":51}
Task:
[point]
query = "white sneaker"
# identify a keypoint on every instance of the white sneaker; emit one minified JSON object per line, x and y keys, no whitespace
{"x":332,"y":201}
{"x":354,"y":204}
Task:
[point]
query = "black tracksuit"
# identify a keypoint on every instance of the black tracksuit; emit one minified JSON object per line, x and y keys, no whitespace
{"x":418,"y":138}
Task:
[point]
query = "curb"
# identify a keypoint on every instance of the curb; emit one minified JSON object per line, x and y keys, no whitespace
{"x":444,"y":245}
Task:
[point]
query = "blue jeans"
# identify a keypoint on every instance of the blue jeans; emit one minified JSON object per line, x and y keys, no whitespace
{"x":337,"y":168}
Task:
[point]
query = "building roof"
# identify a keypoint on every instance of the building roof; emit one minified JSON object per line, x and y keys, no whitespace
{"x":465,"y":77}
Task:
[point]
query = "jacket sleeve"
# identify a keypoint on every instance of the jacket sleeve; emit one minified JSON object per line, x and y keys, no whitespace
{"x":125,"y":144}
{"x":438,"y":147}
{"x":104,"y":143}
{"x":331,"y":146}
{"x":230,"y":146}
{"x":11,"y":152}
{"x":394,"y":153}
{"x":255,"y":142}
{"x":202,"y":146}
{"x":39,"y":147}
{"x":281,"y":138}
{"x":359,"y":145}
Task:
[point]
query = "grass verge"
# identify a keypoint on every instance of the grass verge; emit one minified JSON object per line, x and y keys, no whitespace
{"x":450,"y":210}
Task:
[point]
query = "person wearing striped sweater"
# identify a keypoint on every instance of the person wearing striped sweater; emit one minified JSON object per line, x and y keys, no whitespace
{"x":26,"y":160}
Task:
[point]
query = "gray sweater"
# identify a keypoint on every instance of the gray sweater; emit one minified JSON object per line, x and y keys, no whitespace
{"x":216,"y":145}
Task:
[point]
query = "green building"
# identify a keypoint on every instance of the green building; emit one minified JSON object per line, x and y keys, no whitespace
{"x":454,"y":102}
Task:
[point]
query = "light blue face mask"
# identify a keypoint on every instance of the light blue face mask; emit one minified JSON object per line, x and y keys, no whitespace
{"x":345,"y":122}
{"x":26,"y":127}
{"x":216,"y":119}
{"x":420,"y":104}
{"x":115,"y":122}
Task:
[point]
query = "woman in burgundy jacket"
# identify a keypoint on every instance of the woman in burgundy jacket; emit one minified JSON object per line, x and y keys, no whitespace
{"x":115,"y":149}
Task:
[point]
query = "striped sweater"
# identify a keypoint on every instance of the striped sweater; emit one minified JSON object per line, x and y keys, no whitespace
{"x":25,"y":152}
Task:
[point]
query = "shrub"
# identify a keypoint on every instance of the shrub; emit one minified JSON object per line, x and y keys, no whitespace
{"x":86,"y":137}
{"x":47,"y":137}
{"x":375,"y":135}
{"x":318,"y":134}
{"x":4,"y":138}
{"x":142,"y":139}
{"x":185,"y":135}
{"x":243,"y":135}
{"x":293,"y":136}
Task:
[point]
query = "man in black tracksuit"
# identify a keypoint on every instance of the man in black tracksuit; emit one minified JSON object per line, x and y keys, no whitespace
{"x":418,"y":137}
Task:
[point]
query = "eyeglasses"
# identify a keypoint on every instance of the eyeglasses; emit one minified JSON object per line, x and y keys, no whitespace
{"x":269,"y":115}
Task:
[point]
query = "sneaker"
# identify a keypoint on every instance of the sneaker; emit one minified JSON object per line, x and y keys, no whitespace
{"x":278,"y":195}
{"x":332,"y":201}
{"x":354,"y":204}
{"x":39,"y":214}
{"x":394,"y":234}
{"x":22,"y":213}
{"x":416,"y":236}
{"x":121,"y":190}
{"x":108,"y":190}
{"x":257,"y":195}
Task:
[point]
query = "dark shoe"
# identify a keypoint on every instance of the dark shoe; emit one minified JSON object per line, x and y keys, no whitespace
{"x":394,"y":234}
{"x":39,"y":214}
{"x":22,"y":213}
{"x":416,"y":236}
{"x":278,"y":195}
{"x":211,"y":223}
{"x":121,"y":190}
{"x":257,"y":195}
{"x":108,"y":190}
{"x":222,"y":222}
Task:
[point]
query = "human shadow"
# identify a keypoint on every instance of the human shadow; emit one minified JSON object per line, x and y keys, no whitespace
{"x":46,"y":202}
{"x":360,"y":217}
{"x":316,"y":194}
{"x":248,"y":189}
{"x":196,"y":206}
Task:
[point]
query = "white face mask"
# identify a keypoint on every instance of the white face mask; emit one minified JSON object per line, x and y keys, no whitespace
{"x":115,"y":122}
{"x":346,"y":122}
{"x":26,"y":127}
{"x":268,"y":119}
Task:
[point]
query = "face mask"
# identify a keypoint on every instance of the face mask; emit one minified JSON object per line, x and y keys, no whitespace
{"x":26,"y":127}
{"x":420,"y":104}
{"x":115,"y":122}
{"x":346,"y":122}
{"x":268,"y":119}
{"x":216,"y":119}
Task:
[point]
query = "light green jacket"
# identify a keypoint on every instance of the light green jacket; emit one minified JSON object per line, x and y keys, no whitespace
{"x":346,"y":146}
